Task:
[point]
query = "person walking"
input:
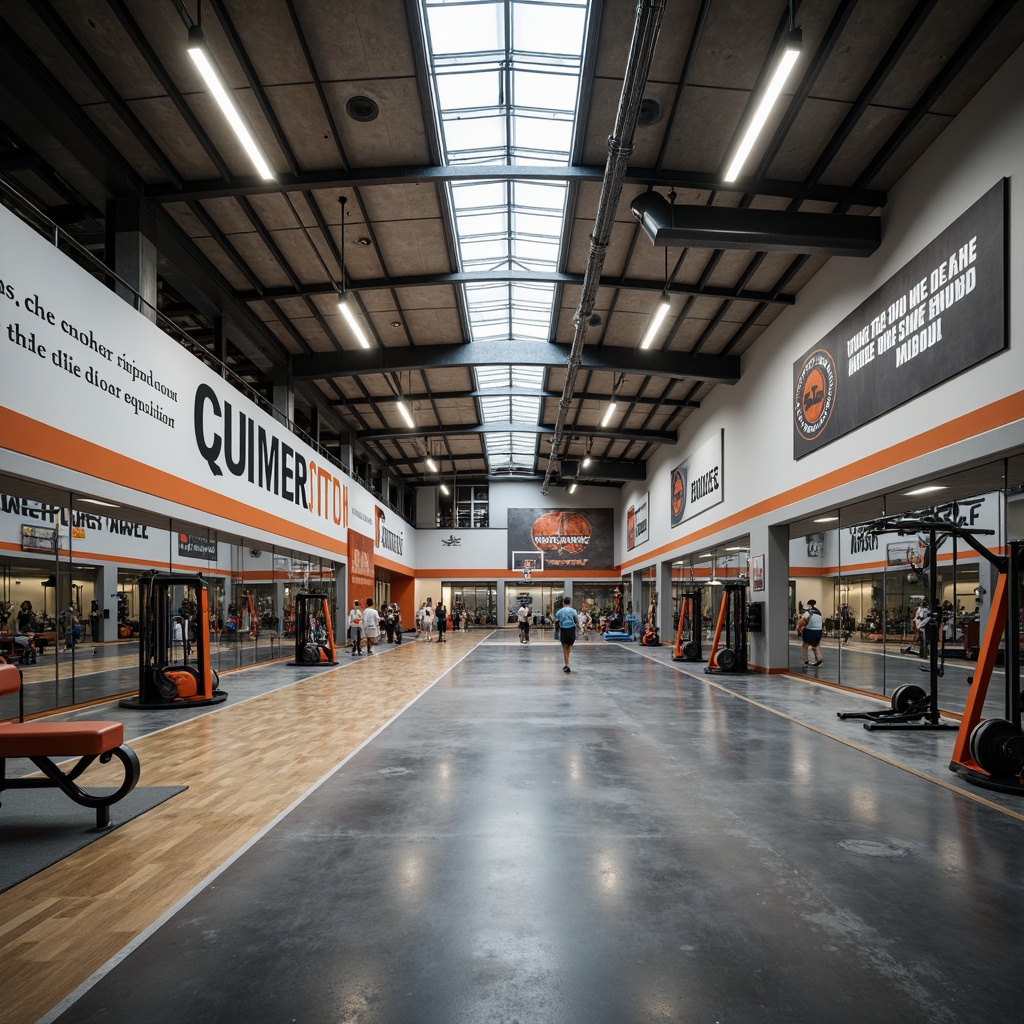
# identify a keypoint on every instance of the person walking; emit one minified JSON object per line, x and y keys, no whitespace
{"x":355,"y":628}
{"x":441,"y":615}
{"x":567,"y":621}
{"x":371,"y":625}
{"x":524,"y":615}
{"x":428,"y":622}
{"x":810,"y":634}
{"x":922,"y":621}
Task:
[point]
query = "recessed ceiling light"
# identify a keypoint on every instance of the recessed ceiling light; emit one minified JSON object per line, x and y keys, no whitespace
{"x":396,"y":323}
{"x":737,"y":549}
{"x":363,"y":241}
{"x":925,"y":490}
{"x":707,"y":554}
{"x":96,"y":501}
{"x":362,"y":108}
{"x":827,"y":519}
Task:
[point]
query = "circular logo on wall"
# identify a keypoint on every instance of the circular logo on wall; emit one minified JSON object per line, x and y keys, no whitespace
{"x":678,"y":495}
{"x":815,"y":394}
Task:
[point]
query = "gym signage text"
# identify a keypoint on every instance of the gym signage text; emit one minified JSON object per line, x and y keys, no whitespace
{"x":940,"y":314}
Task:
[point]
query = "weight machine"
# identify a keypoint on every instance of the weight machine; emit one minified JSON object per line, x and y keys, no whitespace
{"x":314,"y":635}
{"x":729,"y":646}
{"x":911,"y":706}
{"x":990,"y":753}
{"x":690,"y":629}
{"x":165,"y":679}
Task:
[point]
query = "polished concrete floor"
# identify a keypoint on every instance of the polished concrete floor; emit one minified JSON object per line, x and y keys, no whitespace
{"x":630,"y":842}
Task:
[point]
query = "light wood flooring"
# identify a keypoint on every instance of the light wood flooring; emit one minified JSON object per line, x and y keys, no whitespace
{"x":243,"y":765}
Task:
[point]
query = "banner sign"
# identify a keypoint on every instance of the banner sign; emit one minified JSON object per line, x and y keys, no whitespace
{"x":638,"y":522}
{"x":697,"y":482}
{"x":196,"y":547}
{"x":578,"y":538}
{"x":942,"y":313}
{"x":360,"y":567}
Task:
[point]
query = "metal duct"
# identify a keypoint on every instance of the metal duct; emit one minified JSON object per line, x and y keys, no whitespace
{"x":721,"y":227}
{"x":620,"y":145}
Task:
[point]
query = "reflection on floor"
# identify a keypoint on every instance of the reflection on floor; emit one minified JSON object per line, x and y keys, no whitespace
{"x":628,"y":842}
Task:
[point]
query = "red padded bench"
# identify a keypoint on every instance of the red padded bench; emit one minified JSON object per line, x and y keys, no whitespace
{"x":41,"y":742}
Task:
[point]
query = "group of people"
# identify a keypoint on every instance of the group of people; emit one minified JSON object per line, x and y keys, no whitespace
{"x":431,"y":618}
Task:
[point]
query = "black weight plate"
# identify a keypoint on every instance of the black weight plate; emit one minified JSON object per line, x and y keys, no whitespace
{"x":691,"y":650}
{"x":311,"y":654}
{"x":997,"y":747}
{"x":727,"y":659}
{"x":906,"y":695}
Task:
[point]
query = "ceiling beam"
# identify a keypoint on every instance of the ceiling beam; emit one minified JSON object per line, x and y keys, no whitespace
{"x":603,"y":469}
{"x":722,"y":227}
{"x":412,"y":175}
{"x":491,"y":276}
{"x":596,"y":396}
{"x":509,"y":427}
{"x":677,"y":365}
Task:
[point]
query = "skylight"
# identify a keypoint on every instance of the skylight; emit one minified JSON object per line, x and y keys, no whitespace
{"x":506,"y":80}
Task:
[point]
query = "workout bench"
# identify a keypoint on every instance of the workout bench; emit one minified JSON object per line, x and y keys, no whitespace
{"x":41,"y":742}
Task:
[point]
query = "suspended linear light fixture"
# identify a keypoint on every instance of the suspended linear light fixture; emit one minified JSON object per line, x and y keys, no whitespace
{"x":406,"y":415}
{"x":431,"y":465}
{"x":783,"y":62}
{"x":203,"y":60}
{"x":662,"y":308}
{"x":444,"y":487}
{"x":572,"y":487}
{"x":344,"y":304}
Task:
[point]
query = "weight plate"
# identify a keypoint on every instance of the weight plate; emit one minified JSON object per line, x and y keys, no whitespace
{"x":727,"y":659}
{"x":997,"y":747}
{"x":691,"y":650}
{"x":311,"y":653}
{"x":906,"y":695}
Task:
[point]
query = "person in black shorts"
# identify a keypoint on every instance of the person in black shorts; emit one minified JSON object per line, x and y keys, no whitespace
{"x":568,"y":621}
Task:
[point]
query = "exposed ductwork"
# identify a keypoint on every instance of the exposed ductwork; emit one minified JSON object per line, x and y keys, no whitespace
{"x":722,"y":227}
{"x":646,"y":28}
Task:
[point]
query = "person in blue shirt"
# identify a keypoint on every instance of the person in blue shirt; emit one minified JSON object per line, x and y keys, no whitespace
{"x":567,"y":620}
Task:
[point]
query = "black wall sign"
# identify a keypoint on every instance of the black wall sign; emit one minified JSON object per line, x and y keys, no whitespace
{"x":942,"y":313}
{"x":190,"y":546}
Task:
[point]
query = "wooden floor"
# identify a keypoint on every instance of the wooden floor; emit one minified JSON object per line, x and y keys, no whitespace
{"x":243,"y":765}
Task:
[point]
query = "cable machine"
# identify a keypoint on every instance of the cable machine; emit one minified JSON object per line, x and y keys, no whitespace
{"x":173,"y":673}
{"x":690,"y":629}
{"x":990,"y":753}
{"x":912,"y":706}
{"x":729,"y":647}
{"x":314,"y":635}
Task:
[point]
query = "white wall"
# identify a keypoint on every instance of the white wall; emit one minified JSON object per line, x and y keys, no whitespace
{"x":762,"y":479}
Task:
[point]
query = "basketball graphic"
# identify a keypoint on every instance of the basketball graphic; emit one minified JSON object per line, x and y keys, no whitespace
{"x":562,"y":532}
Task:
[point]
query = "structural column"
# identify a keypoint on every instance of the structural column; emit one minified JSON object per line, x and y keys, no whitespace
{"x":769,"y":650}
{"x":130,"y":230}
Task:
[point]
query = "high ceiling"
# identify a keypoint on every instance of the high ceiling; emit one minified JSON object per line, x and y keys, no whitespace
{"x":469,"y":142}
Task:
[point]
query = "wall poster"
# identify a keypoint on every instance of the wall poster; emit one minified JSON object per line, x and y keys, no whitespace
{"x":940,"y":314}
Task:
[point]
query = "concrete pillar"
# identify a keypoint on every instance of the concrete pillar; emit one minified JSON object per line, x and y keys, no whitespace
{"x":666,"y":625}
{"x":284,"y":403}
{"x":130,"y":228}
{"x":501,"y":612}
{"x":220,"y":343}
{"x":106,"y":598}
{"x":769,"y":651}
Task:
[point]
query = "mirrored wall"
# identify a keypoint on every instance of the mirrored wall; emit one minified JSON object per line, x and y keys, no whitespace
{"x":71,"y":574}
{"x":872,"y":585}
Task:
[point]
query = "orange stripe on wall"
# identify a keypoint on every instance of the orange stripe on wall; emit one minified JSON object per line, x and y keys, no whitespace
{"x":1000,"y":413}
{"x":29,"y":437}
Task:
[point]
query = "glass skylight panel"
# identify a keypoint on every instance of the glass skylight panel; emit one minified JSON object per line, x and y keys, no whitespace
{"x":497,"y":409}
{"x":506,"y":79}
{"x":465,"y":28}
{"x":493,"y":376}
{"x":538,"y":91}
{"x":527,"y":376}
